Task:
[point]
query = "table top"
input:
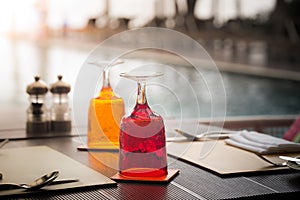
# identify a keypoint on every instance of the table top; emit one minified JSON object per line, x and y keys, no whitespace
{"x":193,"y":182}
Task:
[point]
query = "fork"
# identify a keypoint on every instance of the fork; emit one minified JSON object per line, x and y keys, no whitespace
{"x":283,"y":164}
{"x":219,"y":134}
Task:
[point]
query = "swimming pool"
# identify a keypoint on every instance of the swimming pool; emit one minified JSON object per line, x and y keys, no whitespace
{"x":245,"y":94}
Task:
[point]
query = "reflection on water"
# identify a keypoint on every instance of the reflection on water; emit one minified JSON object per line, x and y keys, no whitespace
{"x":246,"y":95}
{"x":22,"y":60}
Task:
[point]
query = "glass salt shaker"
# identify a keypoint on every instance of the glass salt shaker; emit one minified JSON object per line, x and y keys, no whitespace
{"x":60,"y":113}
{"x":37,"y":119}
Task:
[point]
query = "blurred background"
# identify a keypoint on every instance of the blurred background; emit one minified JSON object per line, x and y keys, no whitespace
{"x":255,"y":45}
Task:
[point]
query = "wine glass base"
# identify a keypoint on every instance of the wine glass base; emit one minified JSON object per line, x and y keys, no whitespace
{"x":163,"y":179}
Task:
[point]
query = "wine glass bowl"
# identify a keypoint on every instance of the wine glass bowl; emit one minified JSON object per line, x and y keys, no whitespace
{"x":142,"y":135}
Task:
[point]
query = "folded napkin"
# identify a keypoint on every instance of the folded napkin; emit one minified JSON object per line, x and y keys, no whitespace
{"x":261,"y":143}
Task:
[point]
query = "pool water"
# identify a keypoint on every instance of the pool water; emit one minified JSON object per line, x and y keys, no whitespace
{"x":243,"y":94}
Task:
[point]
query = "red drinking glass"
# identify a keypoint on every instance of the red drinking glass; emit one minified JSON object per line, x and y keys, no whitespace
{"x":142,"y":136}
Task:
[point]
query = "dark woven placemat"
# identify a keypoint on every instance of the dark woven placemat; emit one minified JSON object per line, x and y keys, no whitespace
{"x":212,"y":186}
{"x":289,"y":182}
{"x":79,"y":194}
{"x":193,"y":183}
{"x":148,"y":191}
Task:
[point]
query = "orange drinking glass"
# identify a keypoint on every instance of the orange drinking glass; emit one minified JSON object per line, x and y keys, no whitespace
{"x":104,"y":116}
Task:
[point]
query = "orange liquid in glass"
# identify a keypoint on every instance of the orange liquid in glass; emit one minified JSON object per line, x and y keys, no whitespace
{"x":105,"y":114}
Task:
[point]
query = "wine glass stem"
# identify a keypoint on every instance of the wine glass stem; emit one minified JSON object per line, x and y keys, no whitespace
{"x":141,"y":96}
{"x":106,"y":77}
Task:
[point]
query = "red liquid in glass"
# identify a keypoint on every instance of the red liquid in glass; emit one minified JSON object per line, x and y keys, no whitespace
{"x":143,"y":144}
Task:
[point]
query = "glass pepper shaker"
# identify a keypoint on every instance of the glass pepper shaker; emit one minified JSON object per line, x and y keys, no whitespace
{"x":60,"y":113}
{"x":37,"y":119}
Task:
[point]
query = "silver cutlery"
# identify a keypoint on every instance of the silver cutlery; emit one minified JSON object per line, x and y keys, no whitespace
{"x":3,"y":143}
{"x":219,"y":134}
{"x":48,"y":179}
{"x":283,"y":164}
{"x":37,"y":184}
{"x":288,"y":158}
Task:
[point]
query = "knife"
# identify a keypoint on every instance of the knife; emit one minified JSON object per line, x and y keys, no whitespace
{"x":9,"y":186}
{"x":63,"y":181}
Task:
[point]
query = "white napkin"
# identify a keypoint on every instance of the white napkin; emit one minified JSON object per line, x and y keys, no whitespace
{"x":262,"y":143}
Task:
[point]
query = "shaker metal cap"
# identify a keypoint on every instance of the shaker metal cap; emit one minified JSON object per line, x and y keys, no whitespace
{"x":37,"y":87}
{"x":60,"y":87}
